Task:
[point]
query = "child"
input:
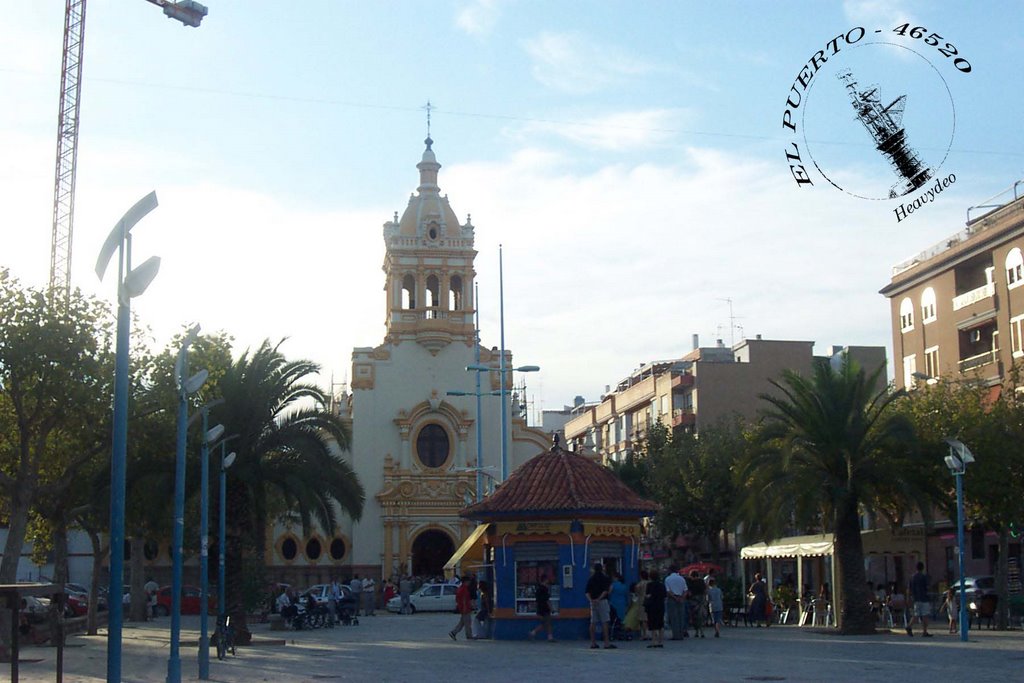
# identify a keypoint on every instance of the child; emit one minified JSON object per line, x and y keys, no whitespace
{"x":715,"y":604}
{"x":949,"y":605}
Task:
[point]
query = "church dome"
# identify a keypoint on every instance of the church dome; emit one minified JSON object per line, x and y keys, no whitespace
{"x":428,"y":215}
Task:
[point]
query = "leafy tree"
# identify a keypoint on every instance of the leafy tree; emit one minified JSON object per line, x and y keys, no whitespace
{"x":55,"y":366}
{"x":690,"y":477}
{"x":993,"y":428}
{"x":831,"y":446}
{"x":288,"y":449}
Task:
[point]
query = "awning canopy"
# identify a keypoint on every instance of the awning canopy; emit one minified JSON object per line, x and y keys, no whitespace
{"x":794,"y":546}
{"x":908,"y":541}
{"x":472,"y":544}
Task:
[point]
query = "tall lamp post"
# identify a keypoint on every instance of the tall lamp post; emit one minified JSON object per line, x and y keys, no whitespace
{"x":479,"y":469}
{"x":130,"y":283}
{"x":956,"y":461}
{"x":210,"y":435}
{"x":225,"y":462}
{"x":186,"y":385}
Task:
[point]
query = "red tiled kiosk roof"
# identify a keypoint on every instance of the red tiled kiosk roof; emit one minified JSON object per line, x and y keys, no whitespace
{"x":558,"y":482}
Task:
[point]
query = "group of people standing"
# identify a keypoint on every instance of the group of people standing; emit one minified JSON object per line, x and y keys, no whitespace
{"x":683,"y":601}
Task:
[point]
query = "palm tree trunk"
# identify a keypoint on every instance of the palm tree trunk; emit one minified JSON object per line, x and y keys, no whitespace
{"x":849,"y":553}
{"x":1002,"y":571}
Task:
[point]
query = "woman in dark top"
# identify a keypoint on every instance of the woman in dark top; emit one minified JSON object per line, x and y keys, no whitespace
{"x":654,"y":605}
{"x":759,"y":591}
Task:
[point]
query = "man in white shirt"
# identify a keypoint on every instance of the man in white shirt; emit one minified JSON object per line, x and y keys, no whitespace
{"x":675,"y":602}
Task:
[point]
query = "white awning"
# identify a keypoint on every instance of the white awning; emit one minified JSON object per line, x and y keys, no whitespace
{"x":474,"y":541}
{"x":794,"y":546}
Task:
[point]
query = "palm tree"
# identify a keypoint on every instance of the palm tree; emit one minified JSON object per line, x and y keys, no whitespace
{"x":830,"y":447}
{"x":288,"y":459}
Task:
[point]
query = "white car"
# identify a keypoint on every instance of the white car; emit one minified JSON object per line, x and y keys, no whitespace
{"x":431,"y":597}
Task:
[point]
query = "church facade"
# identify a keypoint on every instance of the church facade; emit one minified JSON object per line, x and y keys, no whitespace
{"x":414,"y":446}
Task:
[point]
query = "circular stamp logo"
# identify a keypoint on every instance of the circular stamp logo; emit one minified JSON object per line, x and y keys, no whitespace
{"x":872,"y":114}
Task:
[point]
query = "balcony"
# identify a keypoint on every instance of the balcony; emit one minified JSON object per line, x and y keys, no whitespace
{"x":979,"y":360}
{"x":683,"y":417}
{"x":967,"y":298}
{"x":682,"y":381}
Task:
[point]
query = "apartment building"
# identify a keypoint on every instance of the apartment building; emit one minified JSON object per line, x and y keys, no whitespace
{"x":957,"y":307}
{"x":695,"y":391}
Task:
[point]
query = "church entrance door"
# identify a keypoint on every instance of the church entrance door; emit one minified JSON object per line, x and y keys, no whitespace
{"x":430,"y":550}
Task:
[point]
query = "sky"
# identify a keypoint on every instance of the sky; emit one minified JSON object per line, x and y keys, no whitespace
{"x":630,"y":158}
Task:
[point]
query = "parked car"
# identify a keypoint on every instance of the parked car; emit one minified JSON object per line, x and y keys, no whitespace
{"x":322,"y":593}
{"x":976,"y":587}
{"x":189,"y":601}
{"x":431,"y":597}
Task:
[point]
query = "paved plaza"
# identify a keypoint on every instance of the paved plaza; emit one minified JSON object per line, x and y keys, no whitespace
{"x":417,"y":648}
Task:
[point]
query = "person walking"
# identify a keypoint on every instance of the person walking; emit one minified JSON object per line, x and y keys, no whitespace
{"x":922,"y":605}
{"x":758,"y":603}
{"x":404,"y":592}
{"x":356,"y":586}
{"x":697,"y":597}
{"x":334,"y":601}
{"x":618,"y":598}
{"x":369,"y":596}
{"x":675,"y":588}
{"x":151,"y":588}
{"x":597,"y":590}
{"x":542,"y":594}
{"x":654,"y":606}
{"x":716,"y":605}
{"x":464,"y":606}
{"x":949,"y":606}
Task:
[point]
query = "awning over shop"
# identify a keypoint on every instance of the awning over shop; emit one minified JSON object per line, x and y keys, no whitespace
{"x":471,"y":546}
{"x":908,"y":541}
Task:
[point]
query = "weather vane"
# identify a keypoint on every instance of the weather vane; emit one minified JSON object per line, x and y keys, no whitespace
{"x":428,"y":107}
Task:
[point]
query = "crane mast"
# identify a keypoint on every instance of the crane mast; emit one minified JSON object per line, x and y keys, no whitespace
{"x":189,"y":13}
{"x":67,"y":149}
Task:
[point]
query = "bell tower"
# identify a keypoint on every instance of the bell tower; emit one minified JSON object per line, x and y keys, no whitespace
{"x":428,"y":268}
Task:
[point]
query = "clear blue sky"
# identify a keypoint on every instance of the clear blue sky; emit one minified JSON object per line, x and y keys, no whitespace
{"x":629,"y":156}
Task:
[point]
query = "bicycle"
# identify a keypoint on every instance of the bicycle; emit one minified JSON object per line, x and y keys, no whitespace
{"x":225,"y":635}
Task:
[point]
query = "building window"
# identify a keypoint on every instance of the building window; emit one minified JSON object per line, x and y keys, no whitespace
{"x":931,"y":363}
{"x":1014,"y":268}
{"x":337,"y":549}
{"x":432,"y":445}
{"x":536,"y":562}
{"x":455,"y":293}
{"x":289,"y":549}
{"x":909,"y":368}
{"x":906,"y":315}
{"x":433,"y":292}
{"x":1015,"y":336}
{"x":408,"y":292}
{"x":313,"y":549}
{"x":927,"y":306}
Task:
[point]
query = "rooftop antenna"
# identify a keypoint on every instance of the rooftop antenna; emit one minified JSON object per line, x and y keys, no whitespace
{"x":732,"y":323}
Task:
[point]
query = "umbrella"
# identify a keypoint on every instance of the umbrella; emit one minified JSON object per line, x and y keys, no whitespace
{"x":702,"y":568}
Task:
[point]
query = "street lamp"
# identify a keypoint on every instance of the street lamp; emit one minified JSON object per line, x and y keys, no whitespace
{"x":225,"y":462}
{"x":130,"y":283}
{"x":479,"y":426}
{"x":503,"y":371}
{"x":209,"y":436}
{"x":956,"y":461}
{"x":186,"y":385}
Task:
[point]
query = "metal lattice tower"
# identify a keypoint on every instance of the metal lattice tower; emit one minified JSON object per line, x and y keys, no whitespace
{"x":884,"y":124}
{"x":67,"y":149}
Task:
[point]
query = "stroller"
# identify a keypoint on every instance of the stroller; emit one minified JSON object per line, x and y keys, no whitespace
{"x":346,"y":609}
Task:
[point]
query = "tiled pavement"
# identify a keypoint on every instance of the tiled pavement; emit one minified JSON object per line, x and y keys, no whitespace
{"x":417,"y":648}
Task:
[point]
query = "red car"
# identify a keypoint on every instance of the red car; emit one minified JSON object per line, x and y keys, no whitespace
{"x":189,"y":601}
